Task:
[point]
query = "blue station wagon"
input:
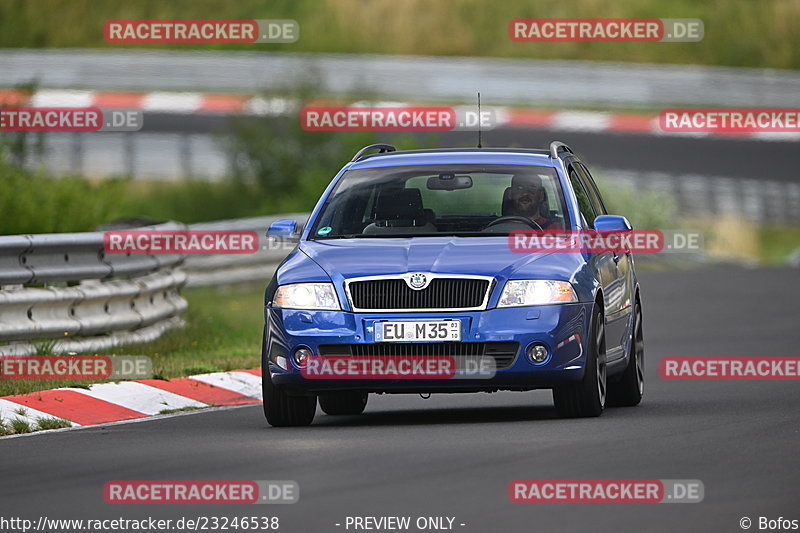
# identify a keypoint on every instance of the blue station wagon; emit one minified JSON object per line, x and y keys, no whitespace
{"x":407,"y":253}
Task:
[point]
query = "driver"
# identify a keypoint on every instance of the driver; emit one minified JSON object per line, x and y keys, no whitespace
{"x":526,"y":198}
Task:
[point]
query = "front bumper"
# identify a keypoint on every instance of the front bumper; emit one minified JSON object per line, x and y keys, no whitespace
{"x":561,"y":328}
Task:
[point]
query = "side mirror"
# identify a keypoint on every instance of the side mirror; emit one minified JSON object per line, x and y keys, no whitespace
{"x":611,"y":224}
{"x":283,"y":229}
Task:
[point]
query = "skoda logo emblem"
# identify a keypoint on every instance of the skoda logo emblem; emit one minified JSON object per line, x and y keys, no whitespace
{"x":417,"y":281}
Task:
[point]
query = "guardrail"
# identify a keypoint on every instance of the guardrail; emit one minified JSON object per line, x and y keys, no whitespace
{"x":62,"y":293}
{"x":504,"y":81}
{"x":763,"y":202}
{"x":234,"y":268}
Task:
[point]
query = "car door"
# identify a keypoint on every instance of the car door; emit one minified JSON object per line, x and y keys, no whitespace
{"x":618,"y":292}
{"x":603,"y":262}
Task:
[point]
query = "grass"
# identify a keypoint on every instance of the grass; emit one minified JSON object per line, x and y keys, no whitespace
{"x":222,"y":332}
{"x":737,"y":33}
{"x":18,"y":426}
{"x":778,"y":243}
{"x":35,"y":203}
{"x":644,"y":209}
{"x":52,"y":423}
{"x":725,"y":237}
{"x":181,"y":410}
{"x":730,"y":238}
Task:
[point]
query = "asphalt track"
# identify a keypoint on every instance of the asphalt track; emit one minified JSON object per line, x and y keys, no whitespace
{"x":454,"y":455}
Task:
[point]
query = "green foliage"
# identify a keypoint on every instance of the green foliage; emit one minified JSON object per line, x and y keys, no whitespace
{"x":32,"y":202}
{"x":19,"y":426}
{"x":286,"y":167}
{"x":277,"y":167}
{"x":644,"y":210}
{"x":737,"y":32}
{"x":52,"y":423}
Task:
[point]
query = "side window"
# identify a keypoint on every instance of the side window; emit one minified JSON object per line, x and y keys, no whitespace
{"x":584,"y":204}
{"x":591,"y":187}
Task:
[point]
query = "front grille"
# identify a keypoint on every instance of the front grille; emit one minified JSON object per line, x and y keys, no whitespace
{"x":441,"y":293}
{"x":503,"y":353}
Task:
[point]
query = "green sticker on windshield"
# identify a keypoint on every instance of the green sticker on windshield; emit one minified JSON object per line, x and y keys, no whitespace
{"x":324,"y":231}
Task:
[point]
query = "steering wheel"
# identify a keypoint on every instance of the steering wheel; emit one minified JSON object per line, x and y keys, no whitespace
{"x":522,"y":220}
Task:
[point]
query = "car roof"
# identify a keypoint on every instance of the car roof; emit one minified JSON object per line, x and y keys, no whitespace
{"x":455,"y":156}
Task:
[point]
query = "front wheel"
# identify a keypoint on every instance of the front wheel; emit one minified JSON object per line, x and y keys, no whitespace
{"x":587,"y":397}
{"x":281,"y":409}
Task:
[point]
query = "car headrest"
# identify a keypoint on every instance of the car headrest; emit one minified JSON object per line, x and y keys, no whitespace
{"x":403,"y":204}
{"x":526,"y":180}
{"x":506,"y":207}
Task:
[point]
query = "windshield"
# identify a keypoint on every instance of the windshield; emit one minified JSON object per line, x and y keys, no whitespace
{"x":419,"y":201}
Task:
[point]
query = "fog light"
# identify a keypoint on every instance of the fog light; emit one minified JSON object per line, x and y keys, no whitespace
{"x":301,"y":356}
{"x":537,"y":353}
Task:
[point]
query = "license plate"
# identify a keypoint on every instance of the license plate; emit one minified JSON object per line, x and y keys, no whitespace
{"x":418,"y":330}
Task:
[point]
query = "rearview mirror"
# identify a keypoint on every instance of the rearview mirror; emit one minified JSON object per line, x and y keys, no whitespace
{"x":449,"y":182}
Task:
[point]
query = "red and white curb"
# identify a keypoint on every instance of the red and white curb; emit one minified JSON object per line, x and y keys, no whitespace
{"x":103,"y":403}
{"x":194,"y":102}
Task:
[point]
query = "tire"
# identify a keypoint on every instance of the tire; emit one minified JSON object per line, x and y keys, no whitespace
{"x":587,"y":398}
{"x":281,"y":409}
{"x":343,"y":403}
{"x":627,"y":392}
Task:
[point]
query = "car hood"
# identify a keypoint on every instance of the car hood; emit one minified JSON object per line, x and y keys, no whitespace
{"x":486,"y":256}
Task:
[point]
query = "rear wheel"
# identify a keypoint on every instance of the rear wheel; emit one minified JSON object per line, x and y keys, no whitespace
{"x":587,"y":397}
{"x":628,"y":391}
{"x":343,"y":403}
{"x":281,"y":409}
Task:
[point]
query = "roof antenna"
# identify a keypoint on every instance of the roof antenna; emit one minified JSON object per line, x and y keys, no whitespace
{"x":479,"y":120}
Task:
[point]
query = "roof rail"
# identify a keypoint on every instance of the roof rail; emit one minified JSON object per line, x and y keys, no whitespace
{"x":382,"y":147}
{"x":557,"y":146}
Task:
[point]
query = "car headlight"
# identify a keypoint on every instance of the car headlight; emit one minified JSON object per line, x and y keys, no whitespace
{"x":306,"y":296}
{"x":536,"y":292}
